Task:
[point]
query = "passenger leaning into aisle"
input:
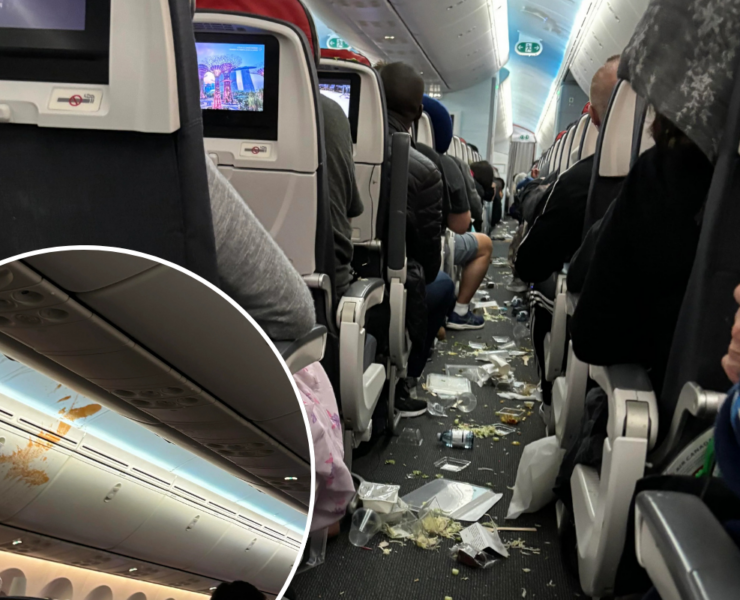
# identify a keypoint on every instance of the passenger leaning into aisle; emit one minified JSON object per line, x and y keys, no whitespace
{"x":556,"y":233}
{"x":428,"y":291}
{"x":649,"y":235}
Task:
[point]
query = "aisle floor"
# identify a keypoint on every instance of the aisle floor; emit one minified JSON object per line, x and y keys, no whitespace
{"x":411,"y":572}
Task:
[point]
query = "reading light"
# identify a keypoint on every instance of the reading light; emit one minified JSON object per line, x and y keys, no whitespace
{"x":291,"y":479}
{"x":132,"y":569}
{"x":390,"y":37}
{"x":17,"y":542}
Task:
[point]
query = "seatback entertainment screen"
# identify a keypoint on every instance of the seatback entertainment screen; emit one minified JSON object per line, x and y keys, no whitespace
{"x":338,"y":90}
{"x":232,"y":76}
{"x":66,"y":15}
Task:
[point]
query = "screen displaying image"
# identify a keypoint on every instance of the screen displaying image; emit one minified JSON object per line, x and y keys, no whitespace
{"x":232,"y":76}
{"x":68,"y":15}
{"x":340,"y":91}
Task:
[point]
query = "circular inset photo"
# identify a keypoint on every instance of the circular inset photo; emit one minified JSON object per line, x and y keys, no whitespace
{"x":150,"y":431}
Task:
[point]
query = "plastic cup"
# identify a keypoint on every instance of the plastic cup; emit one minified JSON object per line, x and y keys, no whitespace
{"x":365,"y":524}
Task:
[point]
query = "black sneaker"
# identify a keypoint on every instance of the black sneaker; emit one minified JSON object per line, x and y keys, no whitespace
{"x":408,"y":407}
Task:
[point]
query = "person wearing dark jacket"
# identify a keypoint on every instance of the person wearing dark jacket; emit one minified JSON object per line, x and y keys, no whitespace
{"x":649,"y":236}
{"x":404,"y":92}
{"x":557,"y":232}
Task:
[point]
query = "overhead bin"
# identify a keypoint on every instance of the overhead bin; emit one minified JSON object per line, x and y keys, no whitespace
{"x":204,"y":336}
{"x":134,"y":511}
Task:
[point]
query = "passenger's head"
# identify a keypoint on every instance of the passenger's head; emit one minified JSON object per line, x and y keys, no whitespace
{"x":237,"y":590}
{"x":404,"y":91}
{"x":483,"y":173}
{"x":534,"y":172}
{"x":682,"y":59}
{"x":500,"y":185}
{"x":602,"y":86}
{"x":441,"y":123}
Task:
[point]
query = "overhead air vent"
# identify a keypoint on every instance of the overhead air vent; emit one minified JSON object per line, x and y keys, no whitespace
{"x":191,"y":494}
{"x":104,"y":455}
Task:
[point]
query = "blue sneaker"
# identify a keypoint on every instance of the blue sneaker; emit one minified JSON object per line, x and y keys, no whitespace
{"x":469,"y":321}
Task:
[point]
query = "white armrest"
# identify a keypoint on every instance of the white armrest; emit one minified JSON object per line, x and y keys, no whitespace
{"x":629,"y":390}
{"x":359,"y":389}
{"x":684,"y":549}
{"x":693,"y":401}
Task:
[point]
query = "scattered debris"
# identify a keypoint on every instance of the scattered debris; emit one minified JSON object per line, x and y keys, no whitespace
{"x":390,"y":461}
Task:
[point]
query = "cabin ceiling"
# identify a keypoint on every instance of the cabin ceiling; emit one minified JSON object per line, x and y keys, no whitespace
{"x":449,"y":41}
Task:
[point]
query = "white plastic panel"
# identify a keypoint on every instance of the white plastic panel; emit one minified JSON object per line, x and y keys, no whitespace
{"x":113,"y":506}
{"x":569,"y":139}
{"x":616,"y":149}
{"x":140,"y":99}
{"x":589,"y":142}
{"x":578,"y":139}
{"x":239,"y":550}
{"x":276,"y":571}
{"x":296,"y":110}
{"x":176,"y":534}
{"x":364,"y":227}
{"x":286,"y":205}
{"x":425,"y":135}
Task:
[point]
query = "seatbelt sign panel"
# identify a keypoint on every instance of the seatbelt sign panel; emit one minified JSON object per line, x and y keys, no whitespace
{"x":76,"y":100}
{"x":256,"y":150}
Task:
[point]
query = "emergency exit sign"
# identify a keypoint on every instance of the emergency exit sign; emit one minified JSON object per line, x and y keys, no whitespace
{"x":337,"y":43}
{"x":529,"y":48}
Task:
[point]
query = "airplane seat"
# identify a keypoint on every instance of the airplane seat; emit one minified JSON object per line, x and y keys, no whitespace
{"x":425,"y":133}
{"x":635,"y":437}
{"x":590,"y":137}
{"x":565,"y":160}
{"x":578,"y":135}
{"x":686,"y":551}
{"x":613,"y":151}
{"x":381,"y":166}
{"x":111,"y":156}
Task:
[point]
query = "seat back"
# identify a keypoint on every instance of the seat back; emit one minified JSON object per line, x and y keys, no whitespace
{"x":555,"y":163}
{"x":424,"y":132}
{"x":578,"y":137}
{"x":110,"y":154}
{"x":590,"y":137}
{"x":613,"y":155}
{"x":703,"y":330}
{"x":457,"y":150}
{"x":358,"y":89}
{"x":567,"y":146}
{"x":273,"y":155}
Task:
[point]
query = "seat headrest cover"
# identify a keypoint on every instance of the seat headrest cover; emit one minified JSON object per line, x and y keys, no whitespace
{"x":561,"y":134}
{"x":290,"y":11}
{"x":585,"y":108}
{"x":345,"y":55}
{"x":441,"y":123}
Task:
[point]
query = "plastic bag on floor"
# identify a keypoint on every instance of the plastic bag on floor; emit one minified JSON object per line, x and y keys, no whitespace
{"x":535,"y":476}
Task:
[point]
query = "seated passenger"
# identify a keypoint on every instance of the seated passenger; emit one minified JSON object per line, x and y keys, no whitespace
{"x":556,"y":233}
{"x":498,"y":201}
{"x":237,"y":590}
{"x":474,"y":199}
{"x":252,"y":268}
{"x":648,"y":238}
{"x":404,"y":91}
{"x":344,"y":197}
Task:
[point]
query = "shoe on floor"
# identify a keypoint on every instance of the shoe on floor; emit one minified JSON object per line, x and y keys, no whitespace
{"x":469,"y":321}
{"x":408,"y":407}
{"x":517,"y":286}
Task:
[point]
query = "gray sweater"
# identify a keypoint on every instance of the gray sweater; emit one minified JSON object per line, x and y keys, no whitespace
{"x":252,"y":268}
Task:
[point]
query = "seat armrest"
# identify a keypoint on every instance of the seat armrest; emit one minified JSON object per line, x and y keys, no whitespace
{"x":361,"y":296}
{"x":696,"y":402}
{"x":322,"y":283}
{"x":633,"y":408}
{"x":298,"y":354}
{"x":684,"y":549}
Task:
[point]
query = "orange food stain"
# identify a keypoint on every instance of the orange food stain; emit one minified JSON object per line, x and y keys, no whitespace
{"x":20,"y":460}
{"x":20,"y":464}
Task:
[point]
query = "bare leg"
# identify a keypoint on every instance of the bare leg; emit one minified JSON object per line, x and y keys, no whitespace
{"x":476,"y":269}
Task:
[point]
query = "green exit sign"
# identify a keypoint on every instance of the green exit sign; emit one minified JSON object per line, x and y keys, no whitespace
{"x":337,"y":43}
{"x":529,"y":48}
